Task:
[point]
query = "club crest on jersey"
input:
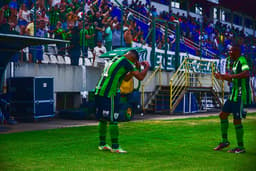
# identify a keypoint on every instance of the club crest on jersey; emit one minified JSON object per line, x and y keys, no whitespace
{"x":105,"y":113}
{"x":116,"y":115}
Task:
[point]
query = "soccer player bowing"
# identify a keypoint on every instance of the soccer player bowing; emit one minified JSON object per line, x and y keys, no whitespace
{"x":240,"y":95}
{"x":107,"y":95}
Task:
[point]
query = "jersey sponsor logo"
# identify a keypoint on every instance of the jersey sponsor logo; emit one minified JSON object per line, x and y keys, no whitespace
{"x":116,"y":115}
{"x":105,"y":113}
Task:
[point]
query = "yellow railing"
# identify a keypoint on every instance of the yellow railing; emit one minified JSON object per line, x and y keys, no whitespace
{"x":178,"y":82}
{"x":197,"y":74}
{"x":147,"y":81}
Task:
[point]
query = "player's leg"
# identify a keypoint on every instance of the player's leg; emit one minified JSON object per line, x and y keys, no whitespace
{"x":238,"y":114}
{"x":113,"y":126}
{"x":102,"y":123}
{"x":224,"y":126}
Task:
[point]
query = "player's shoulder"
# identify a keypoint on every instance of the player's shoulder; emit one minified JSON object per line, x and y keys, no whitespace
{"x":242,"y":59}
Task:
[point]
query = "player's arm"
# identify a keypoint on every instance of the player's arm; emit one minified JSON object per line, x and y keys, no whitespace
{"x":226,"y":77}
{"x":229,"y":77}
{"x":244,"y":74}
{"x":141,"y":75}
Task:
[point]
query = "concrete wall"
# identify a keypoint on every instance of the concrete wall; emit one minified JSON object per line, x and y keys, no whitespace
{"x":67,"y":78}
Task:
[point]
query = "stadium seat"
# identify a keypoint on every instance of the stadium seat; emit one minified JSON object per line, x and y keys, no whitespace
{"x":80,"y":62}
{"x":52,"y":49}
{"x":53,"y":59}
{"x":46,"y":59}
{"x":67,"y":60}
{"x":87,"y":62}
{"x":60,"y":59}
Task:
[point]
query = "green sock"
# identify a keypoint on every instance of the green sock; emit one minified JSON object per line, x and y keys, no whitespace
{"x":224,"y":129}
{"x":114,"y":132}
{"x":103,"y":132}
{"x":239,"y":135}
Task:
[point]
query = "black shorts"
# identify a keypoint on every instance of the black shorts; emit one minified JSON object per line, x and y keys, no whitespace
{"x":234,"y":107}
{"x":107,"y":108}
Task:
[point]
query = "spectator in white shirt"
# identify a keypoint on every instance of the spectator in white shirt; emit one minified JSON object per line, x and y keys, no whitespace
{"x":97,"y":51}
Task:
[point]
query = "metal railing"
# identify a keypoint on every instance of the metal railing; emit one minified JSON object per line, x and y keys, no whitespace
{"x":178,"y":83}
{"x":187,"y":41}
{"x":158,"y":70}
{"x":195,"y":73}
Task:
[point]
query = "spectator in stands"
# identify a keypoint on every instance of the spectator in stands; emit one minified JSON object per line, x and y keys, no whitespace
{"x":108,"y":36}
{"x":54,"y":15}
{"x":36,"y":52}
{"x":42,"y":16}
{"x":84,"y":37}
{"x":128,"y":37}
{"x":60,"y":33}
{"x":97,"y":51}
{"x":63,"y":13}
{"x":74,"y":49}
{"x":13,"y":6}
{"x":41,"y":32}
{"x":91,"y":40}
{"x":29,"y":30}
{"x":125,"y":3}
{"x":54,"y":3}
{"x":24,"y":18}
{"x":4,"y":13}
{"x":116,"y":40}
{"x":71,"y":18}
{"x":12,"y":19}
{"x":139,"y":36}
{"x":98,"y":26}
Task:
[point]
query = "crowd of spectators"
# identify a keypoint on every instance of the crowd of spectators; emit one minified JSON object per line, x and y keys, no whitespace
{"x":215,"y":37}
{"x":97,"y":25}
{"x":86,"y":28}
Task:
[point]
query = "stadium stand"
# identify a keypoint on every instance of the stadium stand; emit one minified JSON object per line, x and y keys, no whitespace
{"x":56,"y":19}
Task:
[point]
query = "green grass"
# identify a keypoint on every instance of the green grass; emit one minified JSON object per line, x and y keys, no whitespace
{"x":152,"y":145}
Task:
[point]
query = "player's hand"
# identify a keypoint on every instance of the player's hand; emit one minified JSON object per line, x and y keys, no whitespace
{"x":217,"y":75}
{"x":137,"y":64}
{"x":145,"y":64}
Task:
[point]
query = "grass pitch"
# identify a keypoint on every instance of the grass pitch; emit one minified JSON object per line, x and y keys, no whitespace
{"x":152,"y":145}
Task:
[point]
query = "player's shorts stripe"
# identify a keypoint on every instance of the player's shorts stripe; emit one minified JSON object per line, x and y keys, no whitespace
{"x":112,"y":108}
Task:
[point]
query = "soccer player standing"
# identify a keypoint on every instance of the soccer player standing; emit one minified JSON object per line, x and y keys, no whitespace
{"x":240,"y":95}
{"x":107,"y":96}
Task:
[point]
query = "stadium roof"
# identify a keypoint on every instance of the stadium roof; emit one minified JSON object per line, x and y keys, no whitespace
{"x":11,"y":44}
{"x":242,"y":6}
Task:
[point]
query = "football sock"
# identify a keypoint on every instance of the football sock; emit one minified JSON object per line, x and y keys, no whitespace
{"x":114,"y":132}
{"x":103,"y":132}
{"x":224,"y":129}
{"x":239,"y":135}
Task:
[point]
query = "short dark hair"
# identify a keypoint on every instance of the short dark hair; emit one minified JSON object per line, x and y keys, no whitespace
{"x":236,"y":45}
{"x":135,"y":53}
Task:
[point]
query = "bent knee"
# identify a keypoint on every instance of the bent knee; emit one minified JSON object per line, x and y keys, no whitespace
{"x":223,"y":115}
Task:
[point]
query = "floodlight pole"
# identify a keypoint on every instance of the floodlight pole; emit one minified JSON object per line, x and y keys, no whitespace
{"x":166,"y":44}
{"x":153,"y":51}
{"x":122,"y":22}
{"x":177,"y":46}
{"x":83,"y":38}
{"x":34,"y":17}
